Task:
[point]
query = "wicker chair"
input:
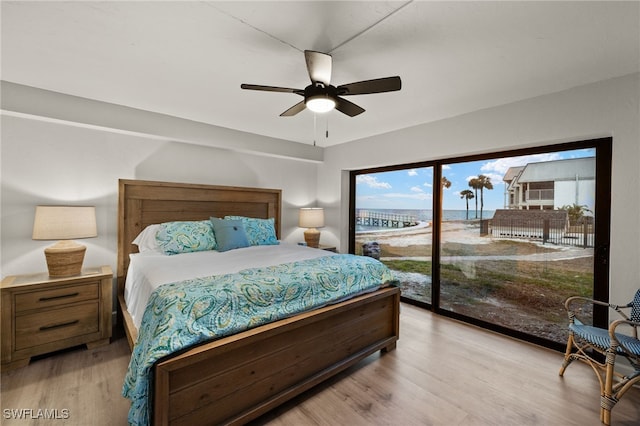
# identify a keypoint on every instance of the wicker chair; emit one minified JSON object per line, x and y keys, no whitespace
{"x":586,"y":342}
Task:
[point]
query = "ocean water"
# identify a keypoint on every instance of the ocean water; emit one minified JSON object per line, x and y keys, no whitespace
{"x":427,"y":215}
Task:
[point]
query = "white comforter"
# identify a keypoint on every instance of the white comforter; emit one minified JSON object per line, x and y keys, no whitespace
{"x":149,"y":270}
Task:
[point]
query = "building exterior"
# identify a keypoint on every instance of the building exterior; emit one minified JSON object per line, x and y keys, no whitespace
{"x":551,"y":185}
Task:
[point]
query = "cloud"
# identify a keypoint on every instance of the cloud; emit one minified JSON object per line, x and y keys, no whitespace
{"x":416,"y":189}
{"x":496,"y":179}
{"x":372,"y":182}
{"x":496,"y":169}
{"x":414,"y":196}
{"x":412,"y":172}
{"x":501,"y":165}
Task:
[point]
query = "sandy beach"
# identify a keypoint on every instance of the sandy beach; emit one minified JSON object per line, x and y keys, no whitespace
{"x":453,"y":231}
{"x":463,"y":232}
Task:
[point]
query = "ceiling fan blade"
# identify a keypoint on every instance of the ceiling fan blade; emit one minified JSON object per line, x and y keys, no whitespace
{"x":294,"y":109}
{"x":378,"y":85}
{"x":271,"y":89}
{"x":347,"y":107}
{"x":319,"y":66}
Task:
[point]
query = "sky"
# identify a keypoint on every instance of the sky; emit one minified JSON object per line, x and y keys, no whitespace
{"x":413,"y":188}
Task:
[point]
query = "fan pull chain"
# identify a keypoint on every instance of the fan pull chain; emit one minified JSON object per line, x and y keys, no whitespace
{"x":315,"y":132}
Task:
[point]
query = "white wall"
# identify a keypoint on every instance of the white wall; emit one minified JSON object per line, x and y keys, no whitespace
{"x":582,"y":193}
{"x":607,"y":108}
{"x":46,"y":162}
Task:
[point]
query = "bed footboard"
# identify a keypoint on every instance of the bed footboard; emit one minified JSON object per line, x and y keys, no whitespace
{"x":238,"y":378}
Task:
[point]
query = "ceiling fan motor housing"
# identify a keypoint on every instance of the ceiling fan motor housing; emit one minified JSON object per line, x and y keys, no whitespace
{"x":318,"y":89}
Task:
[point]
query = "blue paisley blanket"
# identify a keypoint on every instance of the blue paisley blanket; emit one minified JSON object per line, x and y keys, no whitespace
{"x":183,"y":314}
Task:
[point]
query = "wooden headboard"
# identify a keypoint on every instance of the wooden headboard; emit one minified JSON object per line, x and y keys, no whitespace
{"x":142,"y":203}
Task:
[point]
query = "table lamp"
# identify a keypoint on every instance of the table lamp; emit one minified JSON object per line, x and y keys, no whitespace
{"x":64,"y":223}
{"x":311,"y":218}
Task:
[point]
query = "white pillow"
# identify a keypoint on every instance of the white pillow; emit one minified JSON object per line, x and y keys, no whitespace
{"x":146,"y":240}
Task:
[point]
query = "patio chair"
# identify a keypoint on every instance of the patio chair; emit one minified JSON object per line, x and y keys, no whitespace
{"x":592,"y":344}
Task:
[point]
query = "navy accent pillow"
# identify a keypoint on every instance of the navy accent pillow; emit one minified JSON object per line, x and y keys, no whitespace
{"x":230,"y":234}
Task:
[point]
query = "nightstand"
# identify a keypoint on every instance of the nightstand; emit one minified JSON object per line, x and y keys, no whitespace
{"x":41,"y":314}
{"x":327,"y":248}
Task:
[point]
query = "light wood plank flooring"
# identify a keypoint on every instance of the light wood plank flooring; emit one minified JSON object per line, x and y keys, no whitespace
{"x":442,"y":373}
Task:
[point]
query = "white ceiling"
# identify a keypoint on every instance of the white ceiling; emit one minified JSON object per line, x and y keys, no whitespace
{"x":188,"y":59}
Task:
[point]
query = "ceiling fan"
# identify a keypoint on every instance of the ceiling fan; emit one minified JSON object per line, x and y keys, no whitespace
{"x":322,"y":96}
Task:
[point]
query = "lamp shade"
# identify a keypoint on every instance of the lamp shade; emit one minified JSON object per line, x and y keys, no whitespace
{"x":311,"y":217}
{"x":64,"y":222}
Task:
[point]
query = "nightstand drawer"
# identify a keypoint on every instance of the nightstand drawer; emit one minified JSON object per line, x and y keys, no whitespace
{"x":57,"y":296}
{"x":56,"y":324}
{"x":42,"y":314}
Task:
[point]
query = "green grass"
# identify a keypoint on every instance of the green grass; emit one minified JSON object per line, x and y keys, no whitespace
{"x":539,"y":284}
{"x":524,"y":295}
{"x":420,"y":267}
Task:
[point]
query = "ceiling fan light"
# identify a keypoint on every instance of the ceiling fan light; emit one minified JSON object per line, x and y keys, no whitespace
{"x":320,"y":103}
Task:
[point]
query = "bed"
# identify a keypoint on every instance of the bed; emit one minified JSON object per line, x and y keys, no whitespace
{"x":237,"y":378}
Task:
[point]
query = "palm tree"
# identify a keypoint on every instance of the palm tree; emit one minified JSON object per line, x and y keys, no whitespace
{"x":575,"y":212}
{"x":483,"y":182}
{"x":474,"y":183}
{"x":467,"y":195}
{"x":445,"y":184}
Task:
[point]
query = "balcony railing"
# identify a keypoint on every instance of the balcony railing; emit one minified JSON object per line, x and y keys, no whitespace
{"x":539,"y":194}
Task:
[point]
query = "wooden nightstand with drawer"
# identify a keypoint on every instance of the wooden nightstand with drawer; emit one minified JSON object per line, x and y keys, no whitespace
{"x":327,"y":248}
{"x":42,"y":314}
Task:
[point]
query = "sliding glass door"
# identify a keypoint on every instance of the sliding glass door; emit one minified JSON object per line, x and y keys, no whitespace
{"x":528,"y":241}
{"x":501,"y":241}
{"x":393,"y":222}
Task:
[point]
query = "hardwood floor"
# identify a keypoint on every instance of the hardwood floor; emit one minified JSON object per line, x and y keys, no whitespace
{"x":442,"y":373}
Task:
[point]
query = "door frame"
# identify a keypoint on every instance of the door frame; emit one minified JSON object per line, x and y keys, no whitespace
{"x":602,"y":213}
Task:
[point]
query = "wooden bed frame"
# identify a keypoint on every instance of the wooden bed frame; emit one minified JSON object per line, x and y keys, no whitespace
{"x":237,"y":378}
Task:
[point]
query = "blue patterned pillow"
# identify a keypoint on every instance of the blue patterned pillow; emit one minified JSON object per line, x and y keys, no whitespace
{"x":260,"y":232}
{"x":185,"y":237}
{"x":230,"y":234}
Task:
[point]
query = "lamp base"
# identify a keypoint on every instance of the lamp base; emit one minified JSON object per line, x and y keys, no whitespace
{"x":64,"y":259}
{"x":312,"y":237}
